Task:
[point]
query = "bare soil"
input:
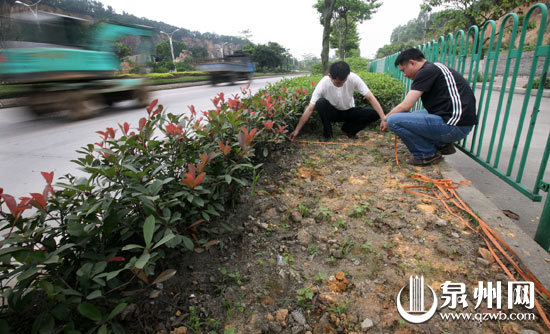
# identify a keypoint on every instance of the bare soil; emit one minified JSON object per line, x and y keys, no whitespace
{"x":324,"y":245}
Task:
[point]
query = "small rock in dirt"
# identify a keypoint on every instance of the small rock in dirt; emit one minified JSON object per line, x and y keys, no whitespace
{"x":323,"y":327}
{"x":281,"y":315}
{"x":308,"y":221}
{"x":326,"y":298}
{"x":356,"y":262}
{"x":510,"y":328}
{"x":295,"y":275}
{"x":275,"y":327}
{"x":304,"y":238}
{"x":298,"y":317}
{"x":179,"y":330}
{"x":282,"y":274}
{"x":296,"y":330}
{"x":395,"y":223}
{"x":528,"y":331}
{"x":440,"y":222}
{"x":483,"y":261}
{"x":339,"y":284}
{"x":366,"y":324}
{"x":455,"y":235}
{"x":296,"y":216}
{"x":271,"y":214}
{"x":267,"y":300}
{"x":336,"y":253}
{"x":443,"y":249}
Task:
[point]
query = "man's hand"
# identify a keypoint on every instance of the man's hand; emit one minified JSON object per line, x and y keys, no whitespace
{"x":383,"y":125}
{"x":294,"y":134}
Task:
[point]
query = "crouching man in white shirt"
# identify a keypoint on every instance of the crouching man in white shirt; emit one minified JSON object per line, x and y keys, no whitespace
{"x":333,"y":100}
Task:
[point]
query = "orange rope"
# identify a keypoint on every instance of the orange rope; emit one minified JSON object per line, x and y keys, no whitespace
{"x":327,"y":143}
{"x":447,"y":188}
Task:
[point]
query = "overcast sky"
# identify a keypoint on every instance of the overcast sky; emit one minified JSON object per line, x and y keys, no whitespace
{"x":292,"y":23}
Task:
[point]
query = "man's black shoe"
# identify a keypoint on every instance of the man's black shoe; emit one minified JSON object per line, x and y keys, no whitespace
{"x":352,"y":136}
{"x":426,"y":161}
{"x":447,"y":149}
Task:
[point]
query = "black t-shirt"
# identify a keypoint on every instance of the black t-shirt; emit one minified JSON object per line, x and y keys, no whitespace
{"x":446,"y":93}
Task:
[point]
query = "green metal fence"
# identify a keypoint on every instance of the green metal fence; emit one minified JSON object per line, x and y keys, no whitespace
{"x":502,"y":140}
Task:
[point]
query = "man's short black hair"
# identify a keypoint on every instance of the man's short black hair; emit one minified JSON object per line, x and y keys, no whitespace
{"x":409,"y":54}
{"x":339,"y":70}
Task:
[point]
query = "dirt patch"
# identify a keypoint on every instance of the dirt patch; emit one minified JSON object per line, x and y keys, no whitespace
{"x":324,"y":246}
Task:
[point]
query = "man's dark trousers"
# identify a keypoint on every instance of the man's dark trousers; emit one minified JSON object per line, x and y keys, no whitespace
{"x":355,"y":119}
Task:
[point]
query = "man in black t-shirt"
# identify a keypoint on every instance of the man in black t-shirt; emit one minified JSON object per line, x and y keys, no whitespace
{"x":450,"y":112}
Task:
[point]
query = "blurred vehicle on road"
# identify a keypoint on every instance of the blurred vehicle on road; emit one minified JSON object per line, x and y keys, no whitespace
{"x":67,"y":63}
{"x":230,"y":69}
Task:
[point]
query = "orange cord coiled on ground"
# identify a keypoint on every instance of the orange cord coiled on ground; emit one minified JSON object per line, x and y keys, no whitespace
{"x":490,"y":237}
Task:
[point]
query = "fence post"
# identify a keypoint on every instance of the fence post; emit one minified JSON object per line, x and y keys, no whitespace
{"x":542,"y":237}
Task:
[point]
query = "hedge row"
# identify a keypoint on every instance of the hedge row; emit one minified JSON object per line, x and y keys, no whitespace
{"x":152,"y":189}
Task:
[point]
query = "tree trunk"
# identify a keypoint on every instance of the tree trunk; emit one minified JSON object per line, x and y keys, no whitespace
{"x":344,"y":50}
{"x":328,"y":8}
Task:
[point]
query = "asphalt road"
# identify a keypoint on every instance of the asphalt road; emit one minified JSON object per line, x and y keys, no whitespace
{"x":29,"y":145}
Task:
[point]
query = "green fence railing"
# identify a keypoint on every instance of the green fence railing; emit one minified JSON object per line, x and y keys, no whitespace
{"x":494,"y":60}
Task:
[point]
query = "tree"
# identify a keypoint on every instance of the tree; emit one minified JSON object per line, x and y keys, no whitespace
{"x":122,"y":50}
{"x":348,"y":13}
{"x":344,"y":45}
{"x":351,"y":13}
{"x":426,"y":26}
{"x":326,"y":9}
{"x":390,"y":49}
{"x":270,"y":56}
{"x":476,"y":12}
{"x":199,"y":52}
{"x":163,"y":50}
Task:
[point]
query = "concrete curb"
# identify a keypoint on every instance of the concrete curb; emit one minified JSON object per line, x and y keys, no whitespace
{"x":521,"y":91}
{"x":9,"y":103}
{"x":533,"y":256}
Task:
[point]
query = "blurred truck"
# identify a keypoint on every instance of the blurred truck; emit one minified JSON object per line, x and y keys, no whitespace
{"x":228,"y":69}
{"x":67,"y":63}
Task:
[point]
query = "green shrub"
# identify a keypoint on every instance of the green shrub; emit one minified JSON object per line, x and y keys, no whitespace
{"x":536,"y":83}
{"x":479,"y":77}
{"x":159,"y":75}
{"x":148,"y":189}
{"x":357,"y":64}
{"x":317,"y":69}
{"x":387,"y":90}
